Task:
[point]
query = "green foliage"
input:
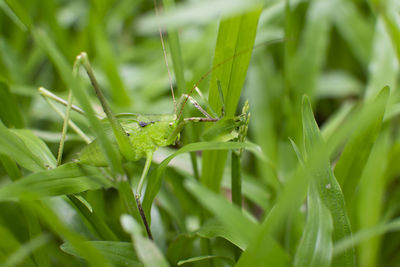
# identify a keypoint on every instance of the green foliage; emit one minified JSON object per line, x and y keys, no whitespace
{"x":295,"y":195}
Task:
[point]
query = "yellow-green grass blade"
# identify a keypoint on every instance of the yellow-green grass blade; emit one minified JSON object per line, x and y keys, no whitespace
{"x":327,"y":187}
{"x":315,"y":247}
{"x":235,"y":35}
{"x":154,"y":181}
{"x":118,"y":253}
{"x":67,"y":179}
{"x":349,"y":168}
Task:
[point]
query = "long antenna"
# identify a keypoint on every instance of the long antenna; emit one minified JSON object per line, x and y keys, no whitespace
{"x":244,"y":51}
{"x":165,"y":55}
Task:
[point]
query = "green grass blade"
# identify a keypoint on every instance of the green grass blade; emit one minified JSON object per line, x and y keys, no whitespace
{"x":366,"y":234}
{"x":67,"y":179}
{"x":118,"y":253}
{"x":235,"y":34}
{"x":215,"y":228}
{"x":9,"y":245}
{"x":24,"y":250}
{"x":359,"y":35}
{"x":230,"y":216}
{"x":97,"y":223}
{"x":349,"y":168}
{"x":370,"y":200}
{"x":10,"y":167}
{"x":328,"y":188}
{"x":315,"y":247}
{"x":12,"y":146}
{"x":236,"y":180}
{"x":20,"y":12}
{"x":202,"y":258}
{"x":146,"y":250}
{"x":86,"y":250}
{"x":10,"y":113}
{"x":391,"y":22}
{"x":385,"y":72}
{"x":37,"y":146}
{"x":154,"y":181}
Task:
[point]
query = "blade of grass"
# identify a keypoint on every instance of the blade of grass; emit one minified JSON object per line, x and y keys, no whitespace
{"x":328,"y":188}
{"x":67,"y":179}
{"x":12,"y":146}
{"x":84,"y":249}
{"x":371,"y":197}
{"x":294,"y":192}
{"x":154,"y":181}
{"x":10,"y":113}
{"x":228,"y":215}
{"x":234,"y":35}
{"x":98,"y":224}
{"x":118,"y":253}
{"x":25,"y":249}
{"x":315,"y":247}
{"x":146,"y":250}
{"x":349,"y":168}
{"x":40,"y":255}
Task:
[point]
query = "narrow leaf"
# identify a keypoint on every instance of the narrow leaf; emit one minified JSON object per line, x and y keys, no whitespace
{"x":67,"y":179}
{"x":327,"y":186}
{"x":118,"y":253}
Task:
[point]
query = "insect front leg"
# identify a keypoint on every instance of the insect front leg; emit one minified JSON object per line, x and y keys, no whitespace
{"x":182,"y":101}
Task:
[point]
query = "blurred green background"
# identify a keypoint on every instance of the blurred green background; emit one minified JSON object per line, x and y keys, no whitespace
{"x":340,"y":53}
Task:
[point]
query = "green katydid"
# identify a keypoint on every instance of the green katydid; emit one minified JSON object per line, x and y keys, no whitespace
{"x":145,"y":132}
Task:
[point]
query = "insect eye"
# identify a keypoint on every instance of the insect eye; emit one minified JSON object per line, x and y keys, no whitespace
{"x":128,"y":134}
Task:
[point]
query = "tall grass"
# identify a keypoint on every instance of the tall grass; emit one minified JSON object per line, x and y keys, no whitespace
{"x":316,"y":184}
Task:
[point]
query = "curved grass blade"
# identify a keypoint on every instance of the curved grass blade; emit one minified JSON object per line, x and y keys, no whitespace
{"x":230,"y":216}
{"x":10,"y":113}
{"x":67,"y":179}
{"x":118,"y":253}
{"x":10,"y":244}
{"x":154,"y":181}
{"x":215,"y":228}
{"x":86,"y":250}
{"x":146,"y":250}
{"x":12,"y":146}
{"x":37,"y":146}
{"x":366,"y":234}
{"x":328,"y":188}
{"x":371,"y":197}
{"x":349,"y":168}
{"x":201,"y":258}
{"x":96,"y":222}
{"x":235,"y":34}
{"x":315,"y":248}
{"x":24,"y":250}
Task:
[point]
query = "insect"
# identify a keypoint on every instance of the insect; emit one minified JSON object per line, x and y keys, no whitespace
{"x":146,"y":133}
{"x":142,"y":135}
